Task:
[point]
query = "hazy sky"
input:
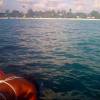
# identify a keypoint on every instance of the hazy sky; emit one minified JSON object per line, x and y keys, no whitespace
{"x":76,"y":5}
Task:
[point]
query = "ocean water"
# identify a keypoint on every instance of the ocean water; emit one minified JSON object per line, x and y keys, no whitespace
{"x":62,"y":55}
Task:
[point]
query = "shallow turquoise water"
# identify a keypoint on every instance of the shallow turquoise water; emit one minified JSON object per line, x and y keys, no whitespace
{"x":62,"y":54}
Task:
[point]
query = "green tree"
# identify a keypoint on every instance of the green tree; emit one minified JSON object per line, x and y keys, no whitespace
{"x":30,"y":13}
{"x":16,"y":13}
{"x":7,"y":13}
{"x":81,"y":15}
{"x":70,"y":14}
{"x":95,"y":14}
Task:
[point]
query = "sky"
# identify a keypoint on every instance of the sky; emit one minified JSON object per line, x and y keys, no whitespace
{"x":75,"y":5}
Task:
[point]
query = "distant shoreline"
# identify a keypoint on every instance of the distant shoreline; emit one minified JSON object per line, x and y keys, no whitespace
{"x":49,"y":18}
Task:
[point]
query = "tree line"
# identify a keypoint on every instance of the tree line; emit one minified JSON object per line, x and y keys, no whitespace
{"x":50,"y":14}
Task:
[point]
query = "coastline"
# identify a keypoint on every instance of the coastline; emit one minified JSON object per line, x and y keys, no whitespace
{"x":48,"y":18}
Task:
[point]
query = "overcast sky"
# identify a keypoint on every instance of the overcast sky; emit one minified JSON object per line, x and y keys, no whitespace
{"x":76,"y":5}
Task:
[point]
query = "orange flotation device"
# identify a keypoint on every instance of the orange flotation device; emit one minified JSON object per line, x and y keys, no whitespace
{"x":13,"y":87}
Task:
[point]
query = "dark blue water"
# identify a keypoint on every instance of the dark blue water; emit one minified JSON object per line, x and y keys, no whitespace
{"x":62,"y":54}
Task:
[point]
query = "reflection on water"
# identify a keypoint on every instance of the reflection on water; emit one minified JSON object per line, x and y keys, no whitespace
{"x":62,"y":54}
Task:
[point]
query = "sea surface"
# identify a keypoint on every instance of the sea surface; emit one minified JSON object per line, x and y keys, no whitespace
{"x":62,"y":55}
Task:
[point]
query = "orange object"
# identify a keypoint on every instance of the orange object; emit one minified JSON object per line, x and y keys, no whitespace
{"x":16,"y":88}
{"x":1,"y":73}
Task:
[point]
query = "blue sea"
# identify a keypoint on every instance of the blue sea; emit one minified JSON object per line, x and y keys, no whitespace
{"x":62,"y":55}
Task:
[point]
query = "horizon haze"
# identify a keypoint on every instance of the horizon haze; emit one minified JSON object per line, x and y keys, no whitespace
{"x":43,"y":5}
